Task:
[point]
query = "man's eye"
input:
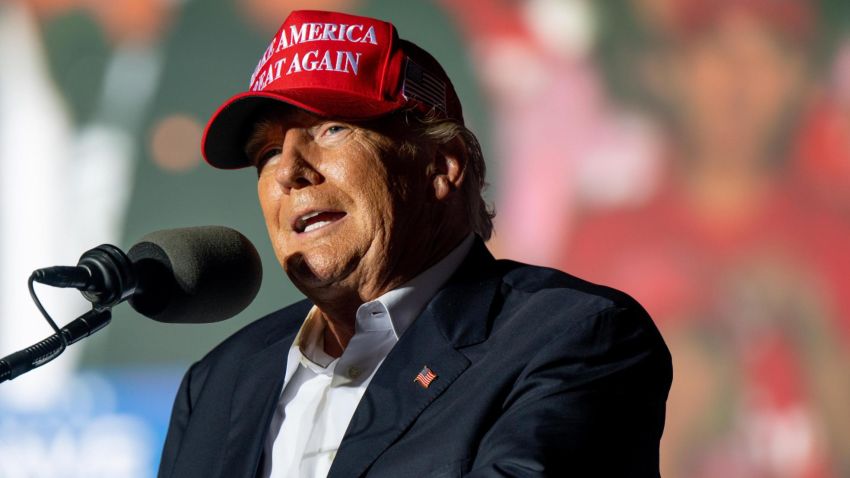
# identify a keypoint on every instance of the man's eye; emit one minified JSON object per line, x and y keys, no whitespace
{"x":329,"y":131}
{"x":265,"y":156}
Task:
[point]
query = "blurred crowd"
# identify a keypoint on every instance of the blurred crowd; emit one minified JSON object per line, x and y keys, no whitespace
{"x":694,"y":153}
{"x":697,"y":155}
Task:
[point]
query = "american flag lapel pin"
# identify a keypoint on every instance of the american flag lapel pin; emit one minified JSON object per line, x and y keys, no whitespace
{"x":425,"y":377}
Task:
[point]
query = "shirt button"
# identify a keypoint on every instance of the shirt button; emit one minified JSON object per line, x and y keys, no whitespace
{"x":354,"y":372}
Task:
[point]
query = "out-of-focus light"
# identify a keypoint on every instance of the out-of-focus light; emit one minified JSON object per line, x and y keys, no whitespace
{"x":508,"y":56}
{"x":101,"y":429}
{"x":175,"y":143}
{"x":626,"y":161}
{"x":566,"y":27}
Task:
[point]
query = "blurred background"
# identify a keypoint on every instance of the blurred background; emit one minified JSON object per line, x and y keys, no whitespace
{"x":694,"y":153}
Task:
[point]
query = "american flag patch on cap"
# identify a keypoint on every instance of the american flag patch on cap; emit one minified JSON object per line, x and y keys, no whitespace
{"x":422,"y":86}
{"x":425,"y":377}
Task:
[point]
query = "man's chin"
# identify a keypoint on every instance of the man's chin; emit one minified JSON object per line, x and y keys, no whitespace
{"x":315,"y":276}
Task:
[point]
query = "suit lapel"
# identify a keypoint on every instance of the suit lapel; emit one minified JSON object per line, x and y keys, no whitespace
{"x":456,"y":317}
{"x":256,"y":394}
{"x":393,"y":400}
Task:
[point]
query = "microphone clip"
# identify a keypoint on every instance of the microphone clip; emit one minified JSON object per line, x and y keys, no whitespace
{"x":104,"y":275}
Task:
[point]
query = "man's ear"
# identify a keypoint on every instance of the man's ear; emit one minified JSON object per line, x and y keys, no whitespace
{"x":449,"y":168}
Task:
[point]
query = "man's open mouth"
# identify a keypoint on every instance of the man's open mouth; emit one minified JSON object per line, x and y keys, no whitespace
{"x":314,"y":220}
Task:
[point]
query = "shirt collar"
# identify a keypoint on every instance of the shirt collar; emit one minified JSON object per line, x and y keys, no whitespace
{"x":398,"y":308}
{"x":310,"y":341}
{"x":394,"y":310}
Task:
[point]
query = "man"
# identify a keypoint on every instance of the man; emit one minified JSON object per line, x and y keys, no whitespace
{"x":416,"y":353}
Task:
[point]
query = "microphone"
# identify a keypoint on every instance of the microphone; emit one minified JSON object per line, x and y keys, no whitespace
{"x":195,"y":275}
{"x":188,"y":275}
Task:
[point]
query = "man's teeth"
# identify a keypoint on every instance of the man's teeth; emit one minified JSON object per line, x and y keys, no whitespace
{"x":316,"y":225}
{"x":312,"y":214}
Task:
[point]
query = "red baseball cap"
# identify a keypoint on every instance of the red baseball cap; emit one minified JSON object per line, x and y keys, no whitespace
{"x":334,"y":65}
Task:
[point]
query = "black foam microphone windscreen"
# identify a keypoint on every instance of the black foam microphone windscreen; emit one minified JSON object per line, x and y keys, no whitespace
{"x":195,"y":274}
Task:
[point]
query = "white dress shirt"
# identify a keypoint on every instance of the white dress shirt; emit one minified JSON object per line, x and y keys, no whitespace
{"x":320,"y":393}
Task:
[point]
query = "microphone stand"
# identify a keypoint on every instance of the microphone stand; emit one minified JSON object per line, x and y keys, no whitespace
{"x":48,"y":349}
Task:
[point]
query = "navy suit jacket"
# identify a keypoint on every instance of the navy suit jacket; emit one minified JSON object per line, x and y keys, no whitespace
{"x":538,"y":374}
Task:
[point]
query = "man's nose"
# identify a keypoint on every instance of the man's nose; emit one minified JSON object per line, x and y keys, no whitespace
{"x":296,"y":169}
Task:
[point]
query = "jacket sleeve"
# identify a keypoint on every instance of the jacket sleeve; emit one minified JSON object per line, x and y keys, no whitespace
{"x":180,"y":413}
{"x":591,"y":402}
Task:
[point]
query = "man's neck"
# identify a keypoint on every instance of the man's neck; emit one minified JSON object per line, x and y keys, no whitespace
{"x":339,"y":313}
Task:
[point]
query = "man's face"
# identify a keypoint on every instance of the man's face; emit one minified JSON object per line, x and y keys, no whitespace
{"x":342,"y":209}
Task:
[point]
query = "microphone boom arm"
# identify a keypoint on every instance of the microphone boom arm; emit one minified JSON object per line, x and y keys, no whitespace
{"x":32,"y":357}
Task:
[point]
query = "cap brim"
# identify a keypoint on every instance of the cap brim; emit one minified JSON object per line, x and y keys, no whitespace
{"x":228,"y":129}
